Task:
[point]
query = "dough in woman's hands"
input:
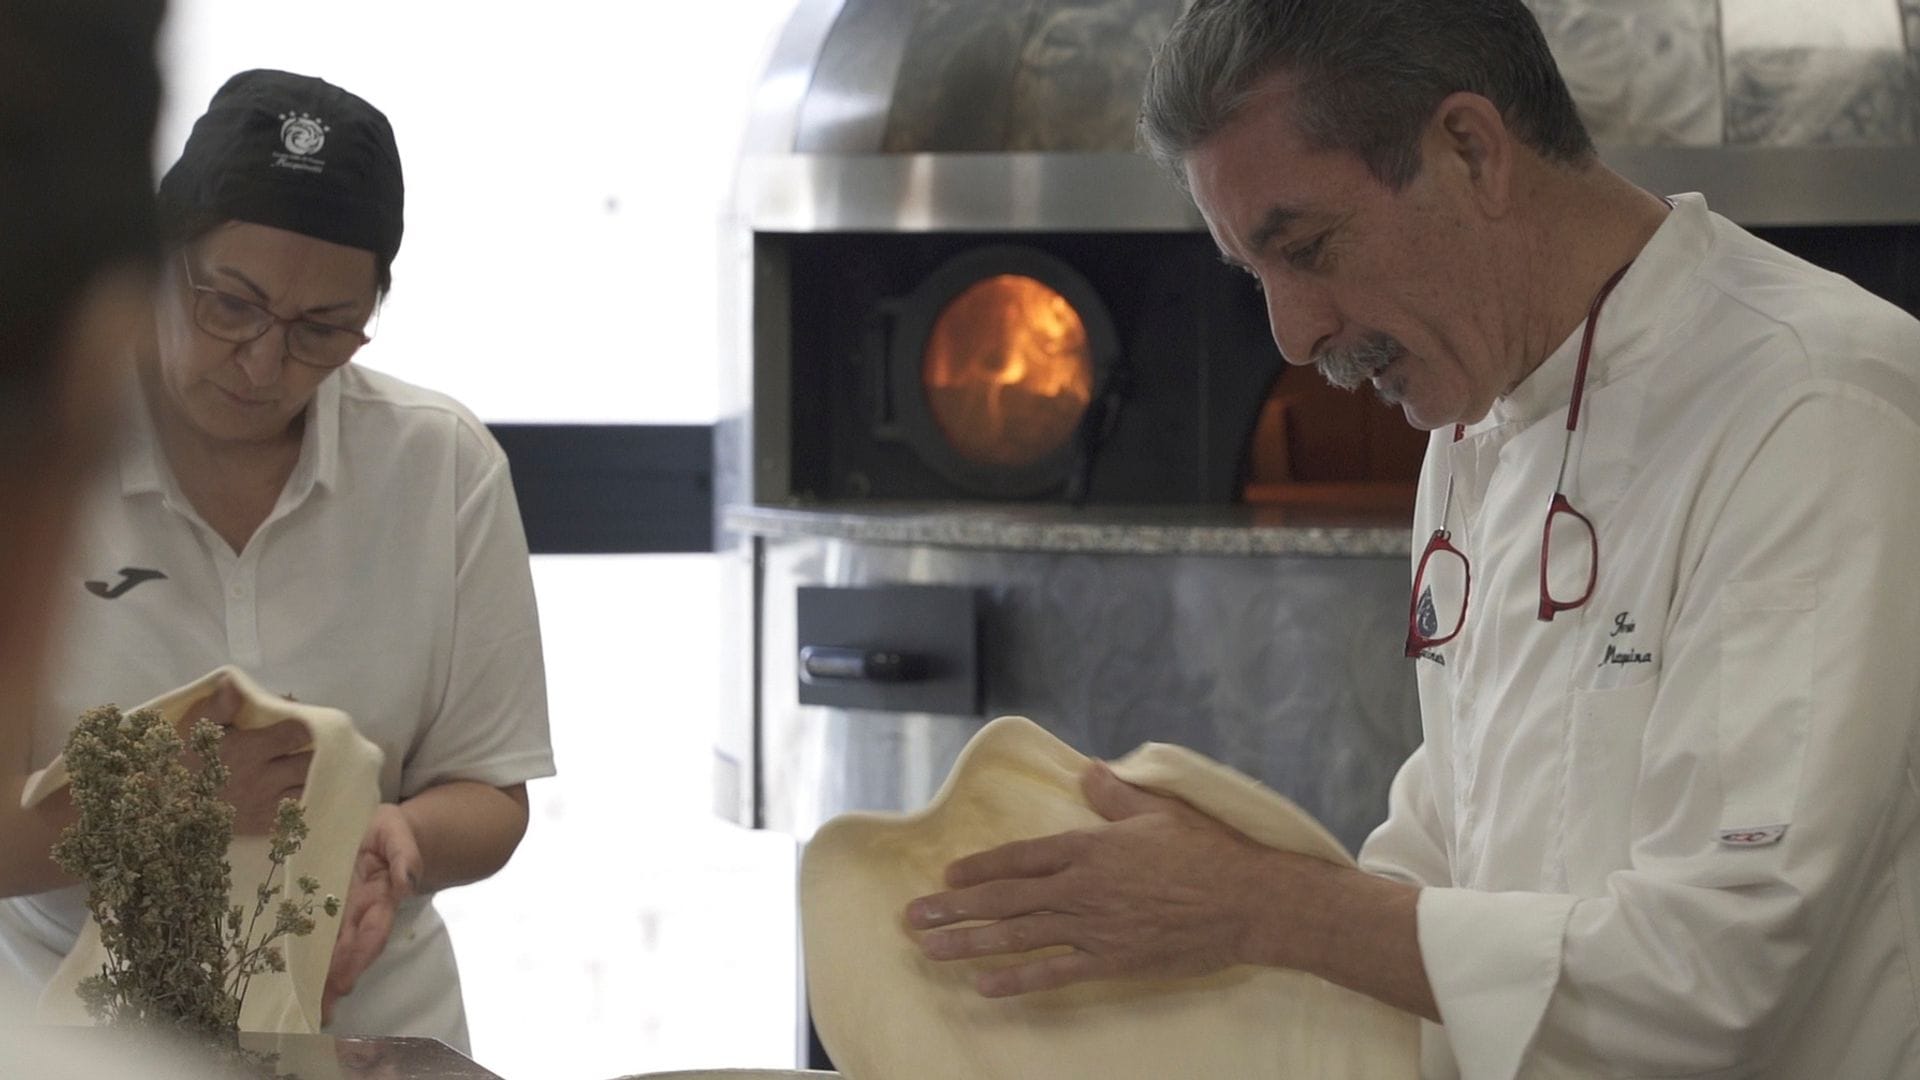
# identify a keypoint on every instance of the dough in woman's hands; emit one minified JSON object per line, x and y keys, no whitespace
{"x":342,"y":791}
{"x":885,"y":1012}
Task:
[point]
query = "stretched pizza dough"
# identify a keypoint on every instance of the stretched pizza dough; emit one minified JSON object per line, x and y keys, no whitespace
{"x":342,"y":792}
{"x":885,"y":1012}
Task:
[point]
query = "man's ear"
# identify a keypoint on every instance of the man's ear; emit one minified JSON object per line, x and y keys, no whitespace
{"x":1470,"y":140}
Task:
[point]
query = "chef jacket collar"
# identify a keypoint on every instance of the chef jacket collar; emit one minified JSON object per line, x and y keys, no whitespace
{"x":1629,"y":320}
{"x":319,"y":464}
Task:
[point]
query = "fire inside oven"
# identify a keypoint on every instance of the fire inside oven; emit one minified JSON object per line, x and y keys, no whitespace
{"x":1008,"y":373}
{"x":995,"y":365}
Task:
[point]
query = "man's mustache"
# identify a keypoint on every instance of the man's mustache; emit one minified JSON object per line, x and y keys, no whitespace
{"x":1350,"y":366}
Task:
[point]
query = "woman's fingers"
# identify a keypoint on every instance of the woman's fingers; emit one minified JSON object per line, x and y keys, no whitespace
{"x":265,"y":766}
{"x":221,"y":705}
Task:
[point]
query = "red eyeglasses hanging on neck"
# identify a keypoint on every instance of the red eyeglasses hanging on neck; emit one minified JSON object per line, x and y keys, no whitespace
{"x":1443,"y":580}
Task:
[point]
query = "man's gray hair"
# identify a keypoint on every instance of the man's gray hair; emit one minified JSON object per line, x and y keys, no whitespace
{"x":1369,"y":74}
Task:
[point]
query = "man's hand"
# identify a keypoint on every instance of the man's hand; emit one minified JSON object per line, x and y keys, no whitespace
{"x":264,"y":765}
{"x":385,"y":872}
{"x":1162,"y":890}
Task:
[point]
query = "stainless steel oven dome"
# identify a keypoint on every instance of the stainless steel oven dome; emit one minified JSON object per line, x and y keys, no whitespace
{"x":932,"y":114}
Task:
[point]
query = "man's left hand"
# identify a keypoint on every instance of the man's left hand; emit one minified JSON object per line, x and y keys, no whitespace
{"x":385,"y":872}
{"x":1160,"y":891}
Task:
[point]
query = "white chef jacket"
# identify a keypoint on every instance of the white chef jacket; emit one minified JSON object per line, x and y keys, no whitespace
{"x":1675,"y":832}
{"x":391,"y":581}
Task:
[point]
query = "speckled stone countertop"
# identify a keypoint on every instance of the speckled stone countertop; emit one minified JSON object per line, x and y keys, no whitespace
{"x":1314,"y":529}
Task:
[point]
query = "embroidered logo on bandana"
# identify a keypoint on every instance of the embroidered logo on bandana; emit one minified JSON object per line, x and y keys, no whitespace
{"x":303,"y":136}
{"x":1752,"y":836}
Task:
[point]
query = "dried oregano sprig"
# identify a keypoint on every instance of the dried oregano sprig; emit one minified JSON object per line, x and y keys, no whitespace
{"x":150,"y":841}
{"x":291,"y":917}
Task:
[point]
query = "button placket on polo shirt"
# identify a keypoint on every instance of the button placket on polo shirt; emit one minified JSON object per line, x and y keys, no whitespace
{"x":240,"y":577}
{"x":240,"y":598}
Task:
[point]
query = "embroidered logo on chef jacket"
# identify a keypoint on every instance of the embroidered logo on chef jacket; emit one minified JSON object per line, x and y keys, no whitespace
{"x":1427,"y":621}
{"x":1620,"y":648}
{"x":130,"y":576}
{"x":1754,"y":836}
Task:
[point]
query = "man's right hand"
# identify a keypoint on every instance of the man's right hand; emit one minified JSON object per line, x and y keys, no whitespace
{"x":265,"y":764}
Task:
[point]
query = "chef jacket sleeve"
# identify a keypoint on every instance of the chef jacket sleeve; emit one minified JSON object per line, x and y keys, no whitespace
{"x":1408,"y":847}
{"x":1775,"y":748}
{"x":491,"y":723}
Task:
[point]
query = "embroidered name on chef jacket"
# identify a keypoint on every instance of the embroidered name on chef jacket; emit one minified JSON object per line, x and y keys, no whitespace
{"x":1621,"y":651}
{"x":1752,"y":836}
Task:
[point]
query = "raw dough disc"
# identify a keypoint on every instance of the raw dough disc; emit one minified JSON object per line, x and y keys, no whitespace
{"x":885,"y":1012}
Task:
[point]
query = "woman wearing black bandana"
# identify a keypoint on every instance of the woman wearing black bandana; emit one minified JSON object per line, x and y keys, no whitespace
{"x":346,"y":538}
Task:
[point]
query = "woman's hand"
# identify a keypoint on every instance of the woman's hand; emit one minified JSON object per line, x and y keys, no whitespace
{"x":385,"y":872}
{"x":264,"y":765}
{"x":447,"y":835}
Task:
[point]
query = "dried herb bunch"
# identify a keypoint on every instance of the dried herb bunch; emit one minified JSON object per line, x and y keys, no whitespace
{"x":151,"y":844}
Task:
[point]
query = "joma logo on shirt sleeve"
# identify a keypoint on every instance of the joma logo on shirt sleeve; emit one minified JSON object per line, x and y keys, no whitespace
{"x":129,"y":577}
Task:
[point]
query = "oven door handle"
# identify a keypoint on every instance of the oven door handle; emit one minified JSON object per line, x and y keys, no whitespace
{"x":836,"y":663}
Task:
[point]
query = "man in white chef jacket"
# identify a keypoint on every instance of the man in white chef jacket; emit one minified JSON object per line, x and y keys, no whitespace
{"x":1665,"y":605}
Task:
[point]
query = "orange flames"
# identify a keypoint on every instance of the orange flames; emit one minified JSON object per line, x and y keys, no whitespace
{"x":1007,"y":370}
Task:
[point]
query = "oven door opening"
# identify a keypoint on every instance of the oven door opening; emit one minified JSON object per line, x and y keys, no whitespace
{"x":995,"y":362}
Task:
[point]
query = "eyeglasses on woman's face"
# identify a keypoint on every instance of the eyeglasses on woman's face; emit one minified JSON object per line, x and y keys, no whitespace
{"x":238,"y":320}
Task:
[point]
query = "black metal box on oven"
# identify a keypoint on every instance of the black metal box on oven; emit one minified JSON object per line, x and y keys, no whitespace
{"x":898,"y":648}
